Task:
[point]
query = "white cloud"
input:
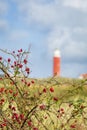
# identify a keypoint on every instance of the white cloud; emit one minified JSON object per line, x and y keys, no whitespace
{"x":72,"y":50}
{"x":80,"y":30}
{"x":39,"y":12}
{"x":3,"y":11}
{"x":3,"y":25}
{"x":3,"y":7}
{"x":57,"y":38}
{"x":78,"y":4}
{"x":44,"y":14}
{"x":63,"y":23}
{"x":75,"y":51}
{"x":54,"y":13}
{"x":17,"y":35}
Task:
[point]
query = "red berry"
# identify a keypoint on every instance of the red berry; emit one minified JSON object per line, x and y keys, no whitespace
{"x":21,"y":116}
{"x":44,"y":90}
{"x":15,"y":116}
{"x":27,"y":69}
{"x":2,"y":100}
{"x":15,"y":62}
{"x":73,"y":126}
{"x":55,"y":99}
{"x":30,"y":123}
{"x":9,"y":59}
{"x":20,"y":65}
{"x":2,"y":89}
{"x":13,"y":108}
{"x":62,"y":109}
{"x":4,"y":124}
{"x":25,"y":61}
{"x":15,"y":94}
{"x":45,"y":117}
{"x":0,"y":58}
{"x":42,"y":107}
{"x":12,"y":66}
{"x":21,"y":50}
{"x":10,"y":91}
{"x":10,"y":107}
{"x":51,"y":89}
{"x":32,"y":81}
{"x":13,"y":51}
{"x":28,"y":84}
{"x":0,"y":78}
{"x":63,"y":112}
{"x":82,"y":107}
{"x":17,"y":55}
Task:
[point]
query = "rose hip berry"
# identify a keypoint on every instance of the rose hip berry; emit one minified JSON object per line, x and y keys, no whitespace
{"x":51,"y":89}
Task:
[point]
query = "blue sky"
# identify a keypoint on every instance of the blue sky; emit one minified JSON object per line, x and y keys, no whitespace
{"x":46,"y":25}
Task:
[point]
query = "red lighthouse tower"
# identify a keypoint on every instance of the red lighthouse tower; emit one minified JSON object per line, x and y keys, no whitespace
{"x":56,"y":63}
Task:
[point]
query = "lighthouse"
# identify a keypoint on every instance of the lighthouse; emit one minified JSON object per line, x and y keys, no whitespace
{"x":56,"y":63}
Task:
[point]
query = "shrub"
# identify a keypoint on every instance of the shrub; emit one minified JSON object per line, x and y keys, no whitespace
{"x":31,"y":104}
